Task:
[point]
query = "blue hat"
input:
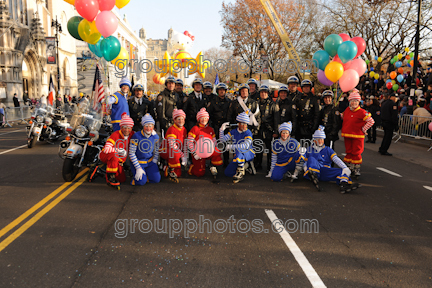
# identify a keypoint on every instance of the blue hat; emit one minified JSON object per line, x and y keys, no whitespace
{"x":197,"y":81}
{"x":264,"y":88}
{"x":138,"y":87}
{"x":319,"y":134}
{"x":285,"y":126}
{"x":179,"y":81}
{"x":147,"y":119}
{"x":327,"y":93}
{"x":306,"y":82}
{"x":221,"y":86}
{"x":293,"y":79}
{"x":283,"y":88}
{"x":243,"y":118}
{"x":207,"y":84}
{"x":125,"y":81}
{"x":244,"y":85}
{"x":170,"y":79}
{"x":252,"y":81}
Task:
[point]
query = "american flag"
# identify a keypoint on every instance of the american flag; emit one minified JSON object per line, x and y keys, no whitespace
{"x":98,"y":89}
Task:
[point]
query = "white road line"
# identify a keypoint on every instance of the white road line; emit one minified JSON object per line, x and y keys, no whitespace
{"x":297,"y":253}
{"x":428,"y":188}
{"x":10,"y":150}
{"x":389,"y":172}
{"x":12,"y":132}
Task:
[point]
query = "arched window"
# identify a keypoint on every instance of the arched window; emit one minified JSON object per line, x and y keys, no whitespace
{"x":65,"y":69}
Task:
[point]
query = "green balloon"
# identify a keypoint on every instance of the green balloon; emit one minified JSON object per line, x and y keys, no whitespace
{"x":367,"y":61}
{"x":395,"y":87}
{"x":110,"y":48}
{"x":412,"y":55}
{"x":72,"y":26}
{"x":332,"y":43}
{"x":392,"y":61}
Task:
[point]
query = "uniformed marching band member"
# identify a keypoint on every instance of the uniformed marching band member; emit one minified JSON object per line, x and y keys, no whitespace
{"x":218,"y":111}
{"x":139,"y":105}
{"x":318,"y":160}
{"x":244,"y":103}
{"x":242,"y":146}
{"x":308,"y":112}
{"x":119,"y":104}
{"x":330,"y":119}
{"x":253,"y":89}
{"x":196,"y":100}
{"x":208,"y":91}
{"x":287,"y":111}
{"x":293,"y":93}
{"x":115,"y":153}
{"x":166,"y":102}
{"x":181,"y":96}
{"x":173,"y":148}
{"x":202,"y":130}
{"x":144,"y":154}
{"x":285,"y":154}
{"x":356,"y":122}
{"x":268,"y":126}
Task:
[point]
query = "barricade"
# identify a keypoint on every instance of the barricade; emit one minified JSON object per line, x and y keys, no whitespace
{"x":416,"y":127}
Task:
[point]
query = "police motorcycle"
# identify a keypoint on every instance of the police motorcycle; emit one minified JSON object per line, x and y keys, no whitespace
{"x":84,"y":142}
{"x":46,"y":124}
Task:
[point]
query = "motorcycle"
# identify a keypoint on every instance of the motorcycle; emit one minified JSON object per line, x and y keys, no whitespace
{"x":84,"y":142}
{"x":46,"y":124}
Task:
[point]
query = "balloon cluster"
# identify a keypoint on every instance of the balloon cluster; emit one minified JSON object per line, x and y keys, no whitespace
{"x":96,"y":26}
{"x":345,"y":66}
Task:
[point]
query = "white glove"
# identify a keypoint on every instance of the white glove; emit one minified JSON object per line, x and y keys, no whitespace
{"x":155,"y":160}
{"x":346,"y":171}
{"x":197,"y":157}
{"x":269,"y":174}
{"x":184,"y":161}
{"x":224,"y":126}
{"x":139,"y":174}
{"x":302,"y":151}
{"x":121,"y":152}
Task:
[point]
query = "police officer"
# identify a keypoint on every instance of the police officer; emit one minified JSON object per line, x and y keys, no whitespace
{"x":139,"y":106}
{"x":181,"y":96}
{"x":251,"y":108}
{"x":253,"y":89}
{"x":286,"y":109}
{"x":308,"y":111}
{"x":330,"y":119}
{"x":293,"y":93}
{"x":218,"y":111}
{"x":268,"y":126}
{"x":389,"y":121}
{"x":208,"y":91}
{"x":196,"y":100}
{"x":166,"y":102}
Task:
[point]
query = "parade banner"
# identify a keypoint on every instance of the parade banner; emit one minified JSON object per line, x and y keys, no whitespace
{"x":51,"y":51}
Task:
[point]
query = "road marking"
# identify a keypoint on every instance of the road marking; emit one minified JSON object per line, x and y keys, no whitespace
{"x":37,"y":206}
{"x":389,"y":172}
{"x":12,"y":132}
{"x":428,"y":188}
{"x":297,"y":253}
{"x":10,"y":150}
{"x":39,"y":215}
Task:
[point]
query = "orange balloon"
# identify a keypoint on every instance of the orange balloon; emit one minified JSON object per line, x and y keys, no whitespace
{"x":156,"y":78}
{"x":400,"y":70}
{"x":412,"y":63}
{"x":408,"y":57}
{"x":393,"y":75}
{"x":162,"y":81}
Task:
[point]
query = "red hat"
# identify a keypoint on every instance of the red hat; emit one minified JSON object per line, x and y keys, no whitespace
{"x":202,"y":113}
{"x":126,"y":121}
{"x":354,"y":96}
{"x":178,"y":113}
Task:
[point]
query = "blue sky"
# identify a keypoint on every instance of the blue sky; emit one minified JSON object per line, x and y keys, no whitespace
{"x":200,"y":18}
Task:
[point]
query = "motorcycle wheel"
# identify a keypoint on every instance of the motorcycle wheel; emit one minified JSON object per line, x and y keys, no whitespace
{"x":31,"y":142}
{"x":69,"y":170}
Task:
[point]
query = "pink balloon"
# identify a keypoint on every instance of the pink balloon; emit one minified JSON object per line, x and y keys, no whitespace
{"x":205,"y":147}
{"x":359,"y":65}
{"x":430,"y":126}
{"x":345,"y":37}
{"x":88,"y":9}
{"x":349,"y":80}
{"x":106,"y":5}
{"x":106,"y":23}
{"x":361,"y":45}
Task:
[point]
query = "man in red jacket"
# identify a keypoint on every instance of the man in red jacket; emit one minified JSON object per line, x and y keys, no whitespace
{"x":356,"y":122}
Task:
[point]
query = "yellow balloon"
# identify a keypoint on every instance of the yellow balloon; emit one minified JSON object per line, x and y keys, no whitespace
{"x":334,"y":71}
{"x":371,"y":74}
{"x":123,"y":59}
{"x":88,"y":32}
{"x":379,"y":59}
{"x":407,"y":49}
{"x":72,"y":2}
{"x":121,"y":3}
{"x":376,"y":76}
{"x":393,"y":82}
{"x":400,"y":56}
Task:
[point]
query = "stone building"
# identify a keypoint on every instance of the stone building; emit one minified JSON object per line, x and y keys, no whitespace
{"x":157,"y":47}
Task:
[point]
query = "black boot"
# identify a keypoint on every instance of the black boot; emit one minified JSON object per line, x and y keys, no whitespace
{"x":315,"y":180}
{"x":172,"y":175}
{"x":112,"y":181}
{"x":345,"y":188}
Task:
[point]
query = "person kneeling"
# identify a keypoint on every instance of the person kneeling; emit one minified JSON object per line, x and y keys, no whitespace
{"x":318,"y":160}
{"x":143,"y":153}
{"x":243,"y":150}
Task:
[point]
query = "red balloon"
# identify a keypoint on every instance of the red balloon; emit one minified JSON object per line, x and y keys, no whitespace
{"x":106,"y":5}
{"x":389,"y":85}
{"x":88,"y":9}
{"x":337,"y":59}
{"x":345,"y":37}
{"x":361,"y":45}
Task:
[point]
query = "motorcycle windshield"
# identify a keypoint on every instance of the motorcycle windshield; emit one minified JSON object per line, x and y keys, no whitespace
{"x":86,"y":116}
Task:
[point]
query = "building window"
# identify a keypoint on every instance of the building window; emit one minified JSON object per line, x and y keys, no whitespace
{"x":25,"y":20}
{"x":46,"y":5}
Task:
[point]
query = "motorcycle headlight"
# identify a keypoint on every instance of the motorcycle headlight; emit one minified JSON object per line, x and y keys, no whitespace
{"x":81,"y":131}
{"x":39,"y":118}
{"x":48,"y":121}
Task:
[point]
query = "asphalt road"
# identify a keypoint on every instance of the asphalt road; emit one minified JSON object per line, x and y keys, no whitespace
{"x":68,"y":235}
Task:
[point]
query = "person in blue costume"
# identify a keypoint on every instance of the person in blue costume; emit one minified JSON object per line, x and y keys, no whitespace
{"x":119,"y":103}
{"x":285,"y":154}
{"x":242,"y":146}
{"x":144,"y":154}
{"x":318,"y":159}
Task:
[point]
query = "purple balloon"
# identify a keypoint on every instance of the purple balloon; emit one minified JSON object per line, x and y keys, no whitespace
{"x":323,"y":79}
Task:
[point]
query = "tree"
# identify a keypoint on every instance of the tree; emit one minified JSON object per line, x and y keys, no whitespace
{"x":220,"y":59}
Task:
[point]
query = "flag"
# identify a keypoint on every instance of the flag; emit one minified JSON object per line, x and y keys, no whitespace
{"x":98,"y":89}
{"x":51,"y":94}
{"x":217,"y":79}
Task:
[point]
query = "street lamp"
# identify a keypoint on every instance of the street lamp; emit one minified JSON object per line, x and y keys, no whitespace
{"x":57,"y":26}
{"x":416,"y":61}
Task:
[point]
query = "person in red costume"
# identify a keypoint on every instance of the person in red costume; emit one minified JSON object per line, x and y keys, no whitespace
{"x":200,"y":131}
{"x":174,"y":149}
{"x":356,"y":122}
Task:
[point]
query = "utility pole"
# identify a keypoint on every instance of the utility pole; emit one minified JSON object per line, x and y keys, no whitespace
{"x":57,"y":26}
{"x":416,"y":62}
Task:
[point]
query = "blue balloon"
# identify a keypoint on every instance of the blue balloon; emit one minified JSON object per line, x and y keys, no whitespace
{"x":372,"y":69}
{"x":409,"y":65}
{"x":347,"y":51}
{"x":388,"y":80}
{"x":400,"y":78}
{"x":332,"y":43}
{"x":96,"y":48}
{"x":376,"y":81}
{"x":376,"y":57}
{"x":398,"y":64}
{"x":323,"y":58}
